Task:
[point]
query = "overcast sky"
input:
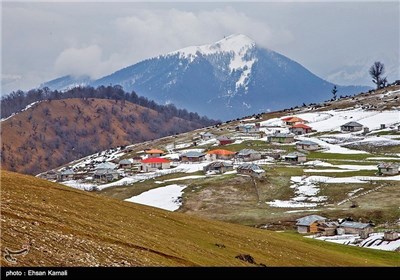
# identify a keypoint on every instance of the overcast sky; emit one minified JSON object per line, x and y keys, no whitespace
{"x":337,"y":41}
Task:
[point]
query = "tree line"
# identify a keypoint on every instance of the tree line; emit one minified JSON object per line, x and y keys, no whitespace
{"x":18,"y":100}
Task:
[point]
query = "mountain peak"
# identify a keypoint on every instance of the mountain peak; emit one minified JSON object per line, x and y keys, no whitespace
{"x":236,"y":43}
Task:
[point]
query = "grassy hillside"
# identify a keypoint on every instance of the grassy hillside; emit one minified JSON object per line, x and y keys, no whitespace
{"x":55,"y":132}
{"x":67,"y":227}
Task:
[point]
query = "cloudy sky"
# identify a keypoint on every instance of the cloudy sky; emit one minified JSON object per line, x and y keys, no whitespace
{"x":335,"y":40}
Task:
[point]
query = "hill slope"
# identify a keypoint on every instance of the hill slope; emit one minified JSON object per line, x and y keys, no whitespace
{"x":228,"y":79}
{"x":51,"y":133}
{"x":67,"y":227}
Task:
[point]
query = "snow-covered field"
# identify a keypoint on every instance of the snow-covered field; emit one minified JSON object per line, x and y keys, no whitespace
{"x":164,"y":197}
{"x":26,"y":108}
{"x":374,"y":241}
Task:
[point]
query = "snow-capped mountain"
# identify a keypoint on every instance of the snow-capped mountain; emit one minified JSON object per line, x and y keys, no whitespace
{"x":228,"y":79}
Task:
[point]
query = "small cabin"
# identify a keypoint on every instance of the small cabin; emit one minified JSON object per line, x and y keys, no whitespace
{"x":251,"y":169}
{"x":220,"y":154}
{"x":388,"y":168}
{"x":299,"y":129}
{"x":351,"y":127}
{"x":105,"y":175}
{"x":295,"y":157}
{"x":290,"y":121}
{"x":154,"y":164}
{"x":207,"y":136}
{"x":125,"y":164}
{"x":391,"y":235}
{"x":218,"y":167}
{"x":307,"y":145}
{"x":281,"y":138}
{"x":309,"y":224}
{"x":224,"y":140}
{"x":351,"y":227}
{"x":327,"y":228}
{"x":106,"y":165}
{"x":248,"y":155}
{"x":51,"y":175}
{"x":66,"y":175}
{"x":248,"y":128}
{"x":192,"y":156}
{"x":151,"y":153}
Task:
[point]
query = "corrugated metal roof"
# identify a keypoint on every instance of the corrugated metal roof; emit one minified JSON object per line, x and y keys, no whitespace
{"x":282,"y":135}
{"x":193,"y":154}
{"x":125,"y":161}
{"x":352,"y":124}
{"x":308,"y":220}
{"x":295,"y":154}
{"x":218,"y":164}
{"x":388,"y":165}
{"x":246,"y":152}
{"x":250,"y":166}
{"x":106,"y":165}
{"x":351,"y":224}
{"x":306,"y":142}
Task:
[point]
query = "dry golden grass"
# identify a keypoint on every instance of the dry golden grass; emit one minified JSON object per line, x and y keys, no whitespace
{"x":68,"y":227}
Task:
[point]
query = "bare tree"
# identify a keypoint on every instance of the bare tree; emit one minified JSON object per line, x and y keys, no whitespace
{"x":376,"y":71}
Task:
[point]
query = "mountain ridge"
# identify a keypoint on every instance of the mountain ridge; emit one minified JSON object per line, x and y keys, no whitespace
{"x":233,"y":74}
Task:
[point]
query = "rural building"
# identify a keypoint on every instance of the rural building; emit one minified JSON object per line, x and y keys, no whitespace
{"x":105,"y":175}
{"x":192,"y":156}
{"x":281,"y":138}
{"x":154,"y":164}
{"x":307,"y":145}
{"x":290,"y":121}
{"x":224,"y":140}
{"x":351,"y":127}
{"x":248,"y":128}
{"x":388,"y":168}
{"x":248,"y":155}
{"x":66,"y":175}
{"x":295,"y":157}
{"x":52,"y":175}
{"x":207,"y":136}
{"x":309,"y":224}
{"x":218,"y":167}
{"x":299,"y":129}
{"x":106,"y":165}
{"x":391,"y":235}
{"x":125,"y":163}
{"x":151,"y":153}
{"x":351,"y":227}
{"x":250,"y":169}
{"x":136,"y":159}
{"x":220,"y":154}
{"x":327,"y":228}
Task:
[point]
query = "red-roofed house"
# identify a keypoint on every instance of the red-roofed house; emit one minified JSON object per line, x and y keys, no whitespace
{"x":300,"y":128}
{"x":154,"y":152}
{"x":154,"y":164}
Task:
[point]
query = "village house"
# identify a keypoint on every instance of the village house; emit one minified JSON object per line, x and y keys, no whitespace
{"x":306,"y":145}
{"x":192,"y":156}
{"x":309,"y":224}
{"x":295,"y":157}
{"x":154,"y":164}
{"x":51,"y":175}
{"x":224,"y":140}
{"x":248,"y":128}
{"x":66,"y":175}
{"x":248,"y":155}
{"x":290,"y":121}
{"x":151,"y":153}
{"x":125,"y":164}
{"x":327,"y":228}
{"x":281,"y":138}
{"x":350,"y":227}
{"x":391,"y":235}
{"x":250,"y":169}
{"x":218,"y":167}
{"x":220,"y":154}
{"x":299,"y":129}
{"x":207,"y":136}
{"x":388,"y":168}
{"x":106,"y":166}
{"x":105,"y":175}
{"x":351,"y":127}
{"x":136,"y":159}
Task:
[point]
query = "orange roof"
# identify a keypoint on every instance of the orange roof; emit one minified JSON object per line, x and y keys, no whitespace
{"x":293,"y":119}
{"x":300,"y":125}
{"x":221,"y":152}
{"x":154,"y":151}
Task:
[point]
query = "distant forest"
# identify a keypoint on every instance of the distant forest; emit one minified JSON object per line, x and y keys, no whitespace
{"x":18,"y":100}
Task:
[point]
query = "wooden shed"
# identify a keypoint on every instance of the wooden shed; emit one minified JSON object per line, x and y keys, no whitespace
{"x":248,"y":155}
{"x":388,"y":168}
{"x":351,"y":127}
{"x":309,"y":224}
{"x":306,"y":145}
